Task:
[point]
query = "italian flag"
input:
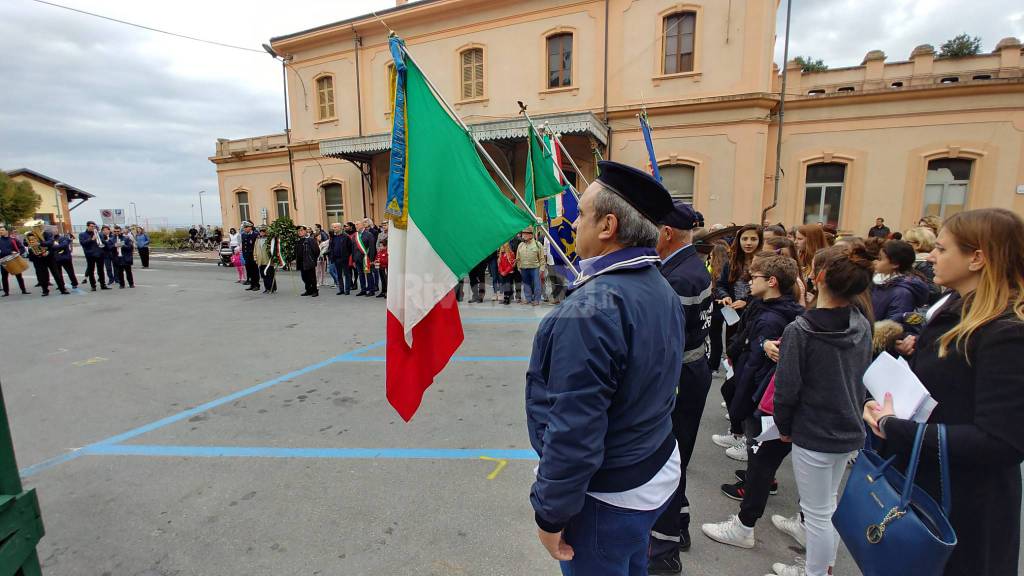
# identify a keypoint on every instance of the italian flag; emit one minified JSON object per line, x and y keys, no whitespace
{"x":452,"y":216}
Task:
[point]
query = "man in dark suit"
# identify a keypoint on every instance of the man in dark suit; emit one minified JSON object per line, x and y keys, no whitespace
{"x":369,"y":240}
{"x":687,"y":274}
{"x":340,"y":251}
{"x":307,"y":252}
{"x":252,"y":271}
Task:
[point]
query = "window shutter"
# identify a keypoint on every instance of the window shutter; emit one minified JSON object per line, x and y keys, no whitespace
{"x":478,"y":73}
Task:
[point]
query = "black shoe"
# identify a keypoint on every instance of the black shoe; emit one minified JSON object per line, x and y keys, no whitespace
{"x":74,"y":286}
{"x":120,"y":286}
{"x":684,"y":541}
{"x":254,"y":288}
{"x":5,"y":295}
{"x":382,"y":295}
{"x":306,"y":293}
{"x":741,"y":475}
{"x":266,"y":291}
{"x":668,"y":564}
{"x":92,"y":288}
{"x":339,"y":293}
{"x":45,"y":294}
{"x":314,"y":294}
{"x":65,"y":292}
{"x":25,"y":292}
{"x":104,"y":288}
{"x":370,"y":294}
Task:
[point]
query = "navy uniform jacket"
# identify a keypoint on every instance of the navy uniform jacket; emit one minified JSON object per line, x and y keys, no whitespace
{"x":602,"y":384}
{"x":109,"y":252}
{"x":123,"y":255}
{"x":689,"y":277}
{"x":249,"y":244}
{"x":62,"y":249}
{"x":340,"y":248}
{"x":90,"y":244}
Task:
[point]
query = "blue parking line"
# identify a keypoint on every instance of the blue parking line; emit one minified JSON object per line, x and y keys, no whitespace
{"x":322,"y":453}
{"x":51,"y":462}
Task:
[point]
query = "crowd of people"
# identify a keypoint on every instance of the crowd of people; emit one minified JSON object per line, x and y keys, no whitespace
{"x":109,"y":255}
{"x":798,"y":314}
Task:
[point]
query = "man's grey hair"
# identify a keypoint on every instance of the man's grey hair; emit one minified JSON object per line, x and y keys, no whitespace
{"x":634,"y":228}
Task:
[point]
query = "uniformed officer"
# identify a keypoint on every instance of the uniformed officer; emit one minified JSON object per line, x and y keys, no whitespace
{"x":252,"y":271}
{"x":601,"y":386}
{"x":686,"y":272}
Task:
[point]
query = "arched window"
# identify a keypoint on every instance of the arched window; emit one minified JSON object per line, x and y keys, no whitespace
{"x":823,"y":194}
{"x":333,"y":203}
{"x":559,"y":60}
{"x":472,"y":73}
{"x":325,"y":97}
{"x":678,"y":179}
{"x":281,"y":199}
{"x":243,"y":206}
{"x":678,"y":39}
{"x":945,"y":190}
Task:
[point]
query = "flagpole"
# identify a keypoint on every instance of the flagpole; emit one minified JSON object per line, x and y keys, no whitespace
{"x":494,"y":165}
{"x":522,"y":110}
{"x":561,"y":146}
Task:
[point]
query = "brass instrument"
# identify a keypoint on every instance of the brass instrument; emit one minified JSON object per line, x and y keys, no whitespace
{"x":34,"y":238}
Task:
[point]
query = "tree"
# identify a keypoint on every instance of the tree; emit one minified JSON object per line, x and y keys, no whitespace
{"x":284,"y":230}
{"x":18,"y":202}
{"x":810,"y":64}
{"x":962,"y":45}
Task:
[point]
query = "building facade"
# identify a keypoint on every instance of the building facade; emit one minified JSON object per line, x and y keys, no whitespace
{"x":885,"y":139}
{"x":55,"y":197}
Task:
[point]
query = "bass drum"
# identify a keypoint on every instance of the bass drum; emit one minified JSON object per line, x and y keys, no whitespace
{"x":14,"y":264}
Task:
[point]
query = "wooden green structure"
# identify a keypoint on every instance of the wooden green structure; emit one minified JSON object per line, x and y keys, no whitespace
{"x":21,"y":526}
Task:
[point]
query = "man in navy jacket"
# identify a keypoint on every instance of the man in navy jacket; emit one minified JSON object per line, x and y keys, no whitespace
{"x":688,"y":275}
{"x":90,"y":242}
{"x":601,"y":385}
{"x":340,"y":251}
{"x":62,"y":259}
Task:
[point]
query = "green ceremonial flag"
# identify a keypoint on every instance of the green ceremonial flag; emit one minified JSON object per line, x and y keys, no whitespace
{"x":541,"y":181}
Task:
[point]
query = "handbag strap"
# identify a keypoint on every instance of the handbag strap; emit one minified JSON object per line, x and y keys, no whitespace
{"x":915,"y":458}
{"x":945,"y":488}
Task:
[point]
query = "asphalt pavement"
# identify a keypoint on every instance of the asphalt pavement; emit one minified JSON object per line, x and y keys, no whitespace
{"x":187,"y":427}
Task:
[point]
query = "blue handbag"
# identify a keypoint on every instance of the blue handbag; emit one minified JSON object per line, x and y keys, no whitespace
{"x":890,"y":525}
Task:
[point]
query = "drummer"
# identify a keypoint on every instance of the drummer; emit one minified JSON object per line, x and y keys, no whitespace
{"x":10,"y":247}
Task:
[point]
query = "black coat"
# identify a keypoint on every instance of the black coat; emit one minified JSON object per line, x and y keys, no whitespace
{"x":689,"y":277}
{"x":982,"y":404}
{"x":370,"y":241}
{"x":90,"y":244}
{"x":62,"y":249}
{"x":307,"y":252}
{"x":340,"y":248}
{"x":123,"y":255}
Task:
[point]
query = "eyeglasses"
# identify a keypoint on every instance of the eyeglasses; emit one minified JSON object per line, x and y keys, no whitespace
{"x":752,"y":276}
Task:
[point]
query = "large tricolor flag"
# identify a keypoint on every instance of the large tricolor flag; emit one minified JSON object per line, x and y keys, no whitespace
{"x":447,"y":216}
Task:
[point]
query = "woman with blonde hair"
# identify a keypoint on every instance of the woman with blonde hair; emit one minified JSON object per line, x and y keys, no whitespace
{"x":923,"y":240}
{"x":967,"y":356}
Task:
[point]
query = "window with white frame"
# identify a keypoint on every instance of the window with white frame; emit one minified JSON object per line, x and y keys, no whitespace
{"x":823,"y":193}
{"x":946,"y":187}
{"x":243,"y":206}
{"x":333,"y":203}
{"x":678,"y":179}
{"x":281,"y":199}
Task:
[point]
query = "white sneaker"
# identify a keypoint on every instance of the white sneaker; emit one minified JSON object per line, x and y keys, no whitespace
{"x":791,"y":526}
{"x":781,"y":569}
{"x":737,"y":453}
{"x":728,"y":440}
{"x":731,"y":532}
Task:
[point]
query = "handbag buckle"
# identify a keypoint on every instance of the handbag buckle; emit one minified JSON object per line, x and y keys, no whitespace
{"x":875,"y":532}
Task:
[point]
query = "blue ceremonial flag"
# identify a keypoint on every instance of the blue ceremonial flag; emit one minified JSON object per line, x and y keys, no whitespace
{"x":398,"y":193}
{"x":646,"y":127}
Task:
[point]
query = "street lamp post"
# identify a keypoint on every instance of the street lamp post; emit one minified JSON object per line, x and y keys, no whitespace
{"x":135,"y":211}
{"x":287,"y":122}
{"x":193,"y":220}
{"x":202,"y":221}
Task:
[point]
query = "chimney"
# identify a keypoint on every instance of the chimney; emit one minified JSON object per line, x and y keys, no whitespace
{"x":1009,"y":51}
{"x":923,"y":58}
{"x":874,"y":69}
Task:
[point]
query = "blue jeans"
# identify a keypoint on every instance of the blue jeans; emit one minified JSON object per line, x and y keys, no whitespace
{"x":609,"y":540}
{"x":531,"y":284}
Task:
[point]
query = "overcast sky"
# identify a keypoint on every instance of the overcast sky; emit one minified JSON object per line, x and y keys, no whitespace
{"x":131,"y":115}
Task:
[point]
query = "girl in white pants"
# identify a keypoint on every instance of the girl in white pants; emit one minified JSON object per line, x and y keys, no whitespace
{"x":819,"y":392}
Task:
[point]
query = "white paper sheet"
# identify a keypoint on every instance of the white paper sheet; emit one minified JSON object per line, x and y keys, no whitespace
{"x":768,"y":430}
{"x":730,"y":316}
{"x":910,"y":398}
{"x":729,"y":373}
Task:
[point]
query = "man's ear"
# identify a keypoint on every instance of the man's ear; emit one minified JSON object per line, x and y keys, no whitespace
{"x":609,"y":227}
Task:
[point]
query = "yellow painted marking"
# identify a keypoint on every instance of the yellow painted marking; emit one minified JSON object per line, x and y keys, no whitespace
{"x":497,"y":470}
{"x":90,"y":361}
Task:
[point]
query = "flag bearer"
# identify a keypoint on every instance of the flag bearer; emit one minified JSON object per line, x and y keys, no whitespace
{"x":686,"y":272}
{"x":602,"y":383}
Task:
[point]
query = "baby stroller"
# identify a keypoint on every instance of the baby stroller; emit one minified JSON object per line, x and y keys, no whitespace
{"x":225,"y":253}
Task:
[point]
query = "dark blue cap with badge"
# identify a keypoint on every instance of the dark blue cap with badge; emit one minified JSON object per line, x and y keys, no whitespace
{"x":639,"y":188}
{"x":683,"y":217}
